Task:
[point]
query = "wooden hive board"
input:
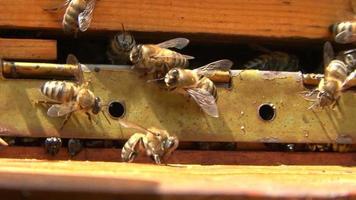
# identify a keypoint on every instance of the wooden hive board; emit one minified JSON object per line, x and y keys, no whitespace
{"x":275,"y":18}
{"x":28,"y":49}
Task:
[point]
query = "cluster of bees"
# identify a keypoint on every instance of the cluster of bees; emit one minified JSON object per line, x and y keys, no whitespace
{"x":158,"y":62}
{"x":165,"y":66}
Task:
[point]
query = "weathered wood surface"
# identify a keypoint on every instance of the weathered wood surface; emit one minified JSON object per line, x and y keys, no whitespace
{"x":28,"y":49}
{"x":274,"y":18}
{"x":139,"y":179}
{"x":192,"y":157}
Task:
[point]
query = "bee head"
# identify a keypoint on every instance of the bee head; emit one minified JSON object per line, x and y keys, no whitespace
{"x":136,"y":54}
{"x":169,"y":145}
{"x":325,"y":99}
{"x":125,"y":41}
{"x":97,"y":106}
{"x":171,"y":78}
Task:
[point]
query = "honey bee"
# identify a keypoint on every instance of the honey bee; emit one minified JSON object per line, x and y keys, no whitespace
{"x":120,"y":47}
{"x":196,"y":84}
{"x":344,"y":32}
{"x":77,"y":16}
{"x":156,"y":143}
{"x":69,"y":97}
{"x":275,"y":61}
{"x":158,"y":59}
{"x":336,"y":79}
{"x":342,"y":148}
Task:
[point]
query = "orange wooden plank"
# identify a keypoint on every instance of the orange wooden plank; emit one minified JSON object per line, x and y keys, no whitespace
{"x":193,"y":157}
{"x":28,"y":49}
{"x":273,"y":18}
{"x":198,"y":180}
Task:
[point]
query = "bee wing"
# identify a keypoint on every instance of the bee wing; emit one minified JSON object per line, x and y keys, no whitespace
{"x":310,"y":95}
{"x":205,"y":100}
{"x":72,"y":60}
{"x":57,"y":6}
{"x":172,"y":56}
{"x":222,"y":65}
{"x":349,"y":81}
{"x":86,"y":16}
{"x":178,"y":43}
{"x":328,"y":53}
{"x":59,"y":110}
{"x":127,"y":124}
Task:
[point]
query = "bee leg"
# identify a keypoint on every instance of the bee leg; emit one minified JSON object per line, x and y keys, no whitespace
{"x":74,"y":146}
{"x":53,"y":145}
{"x":157,"y":159}
{"x":89,"y":116}
{"x":65,"y":120}
{"x":47,"y":102}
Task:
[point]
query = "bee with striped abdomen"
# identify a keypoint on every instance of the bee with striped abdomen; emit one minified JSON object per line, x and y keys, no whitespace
{"x":156,"y":143}
{"x":196,"y":84}
{"x":344,"y":32}
{"x":274,"y":61}
{"x":120,"y":47}
{"x":77,"y":16}
{"x":158,"y":59}
{"x":68,"y":97}
{"x":336,"y":79}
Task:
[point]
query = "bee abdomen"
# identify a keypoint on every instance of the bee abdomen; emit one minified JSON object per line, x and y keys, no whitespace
{"x":336,"y":70}
{"x":132,"y":147}
{"x":179,"y":60}
{"x":59,"y":90}
{"x":208,"y":85}
{"x":70,"y":19}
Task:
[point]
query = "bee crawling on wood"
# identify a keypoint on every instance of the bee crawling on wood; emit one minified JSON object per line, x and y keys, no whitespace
{"x":68,"y":97}
{"x":196,"y":84}
{"x":77,"y":16}
{"x":156,"y":143}
{"x":336,"y":79}
{"x":120,"y":47}
{"x":158,"y":59}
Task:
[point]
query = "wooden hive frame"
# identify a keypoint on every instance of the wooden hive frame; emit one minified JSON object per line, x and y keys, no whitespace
{"x":204,"y":20}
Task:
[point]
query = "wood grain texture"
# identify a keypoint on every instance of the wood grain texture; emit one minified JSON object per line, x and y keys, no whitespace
{"x":213,"y":180}
{"x":273,"y":18}
{"x":28,"y":49}
{"x":192,"y":157}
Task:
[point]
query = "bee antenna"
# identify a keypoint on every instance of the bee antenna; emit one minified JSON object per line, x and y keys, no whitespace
{"x":153,"y":80}
{"x":123,"y":30}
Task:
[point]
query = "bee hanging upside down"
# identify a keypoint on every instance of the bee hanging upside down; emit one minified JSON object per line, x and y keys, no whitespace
{"x":196,"y":84}
{"x":158,"y":59}
{"x":77,"y":16}
{"x":68,"y":97}
{"x":120,"y":47}
{"x":336,"y":78}
{"x":156,"y":143}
